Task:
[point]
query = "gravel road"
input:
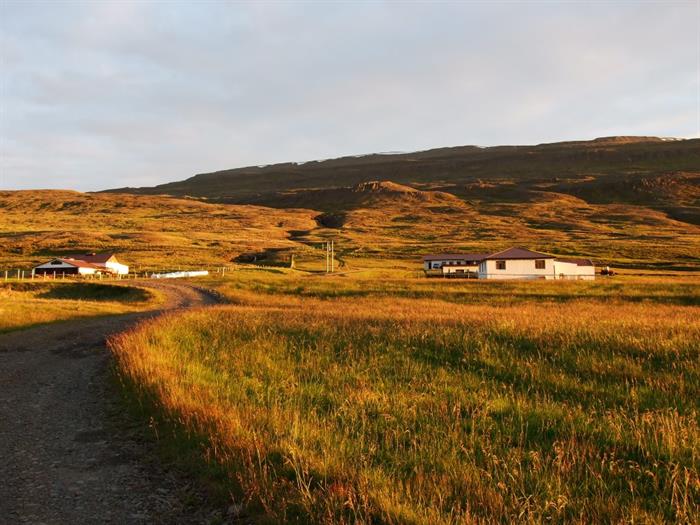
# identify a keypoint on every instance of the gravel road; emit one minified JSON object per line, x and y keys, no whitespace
{"x":68,"y":454}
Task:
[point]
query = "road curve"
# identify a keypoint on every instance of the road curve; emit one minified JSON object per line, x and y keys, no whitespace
{"x":67,"y":455}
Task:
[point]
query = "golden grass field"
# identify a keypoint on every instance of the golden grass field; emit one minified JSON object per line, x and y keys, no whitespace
{"x":366,"y":399}
{"x":375,"y":395}
{"x":24,"y":304}
{"x":389,"y":225}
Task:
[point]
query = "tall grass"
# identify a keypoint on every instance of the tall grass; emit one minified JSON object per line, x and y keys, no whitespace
{"x":400,"y":410}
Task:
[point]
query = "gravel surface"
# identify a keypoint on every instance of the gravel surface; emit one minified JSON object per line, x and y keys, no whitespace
{"x":68,"y":454}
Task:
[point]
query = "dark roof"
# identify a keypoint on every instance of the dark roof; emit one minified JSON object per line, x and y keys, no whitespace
{"x":94,"y":258}
{"x":577,"y":262}
{"x":456,"y":257}
{"x":519,"y":253}
{"x":75,"y":262}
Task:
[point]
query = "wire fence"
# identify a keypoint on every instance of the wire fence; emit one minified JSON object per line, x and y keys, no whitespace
{"x":25,"y":275}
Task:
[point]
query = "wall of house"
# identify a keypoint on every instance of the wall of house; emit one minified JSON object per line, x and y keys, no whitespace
{"x":121,"y":269}
{"x":57,"y":265}
{"x":62,"y":269}
{"x":566,"y":270}
{"x":516,"y":269}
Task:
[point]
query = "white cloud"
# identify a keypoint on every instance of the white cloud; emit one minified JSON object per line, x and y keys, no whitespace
{"x":140,"y":93}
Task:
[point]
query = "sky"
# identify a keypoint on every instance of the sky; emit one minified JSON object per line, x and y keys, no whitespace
{"x":105,"y":94}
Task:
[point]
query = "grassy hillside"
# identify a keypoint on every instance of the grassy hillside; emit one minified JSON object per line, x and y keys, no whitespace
{"x":344,"y":400}
{"x":150,"y":232}
{"x":625,"y":170}
{"x":628,"y":202}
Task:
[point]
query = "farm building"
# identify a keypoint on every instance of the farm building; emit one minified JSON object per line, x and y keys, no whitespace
{"x":79,"y":264}
{"x":106,"y":261}
{"x":513,"y":263}
{"x":578,"y":269}
{"x":67,"y":267}
{"x":517,"y":263}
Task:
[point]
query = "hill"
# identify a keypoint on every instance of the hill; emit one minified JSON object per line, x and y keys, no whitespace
{"x":153,"y":232}
{"x":623,"y":201}
{"x":624,"y":170}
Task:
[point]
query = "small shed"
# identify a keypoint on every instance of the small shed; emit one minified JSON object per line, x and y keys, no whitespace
{"x":574,"y":269}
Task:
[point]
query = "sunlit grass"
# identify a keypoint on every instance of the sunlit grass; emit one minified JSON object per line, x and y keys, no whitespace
{"x":26,"y":304}
{"x":330,"y":401}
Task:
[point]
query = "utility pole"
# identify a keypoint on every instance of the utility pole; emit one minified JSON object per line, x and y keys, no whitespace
{"x":332,"y":256}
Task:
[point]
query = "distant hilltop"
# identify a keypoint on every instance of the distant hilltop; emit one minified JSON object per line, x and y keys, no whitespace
{"x":651,"y":171}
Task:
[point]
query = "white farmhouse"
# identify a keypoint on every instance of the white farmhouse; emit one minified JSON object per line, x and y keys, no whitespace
{"x":513,"y":263}
{"x":517,"y":263}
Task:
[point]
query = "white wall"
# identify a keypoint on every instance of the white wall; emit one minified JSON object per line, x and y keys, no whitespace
{"x":463,"y":267}
{"x":63,"y":266}
{"x":59,"y":266}
{"x":516,"y":269}
{"x":566,"y":270}
{"x":121,"y":269}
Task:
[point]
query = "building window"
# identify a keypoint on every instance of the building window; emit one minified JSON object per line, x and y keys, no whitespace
{"x":539,"y":264}
{"x":500,"y":265}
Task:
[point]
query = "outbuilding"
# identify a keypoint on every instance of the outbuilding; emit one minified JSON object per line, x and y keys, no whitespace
{"x":57,"y":267}
{"x":466,"y":260}
{"x":106,"y":261}
{"x":574,"y":269}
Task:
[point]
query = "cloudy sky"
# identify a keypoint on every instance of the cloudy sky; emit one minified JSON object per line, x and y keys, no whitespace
{"x":96,"y":94}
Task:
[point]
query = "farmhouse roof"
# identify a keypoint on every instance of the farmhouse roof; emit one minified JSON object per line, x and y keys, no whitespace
{"x":94,"y":258}
{"x":577,"y":262}
{"x":456,"y":256}
{"x":76,"y":262}
{"x":519,"y":253}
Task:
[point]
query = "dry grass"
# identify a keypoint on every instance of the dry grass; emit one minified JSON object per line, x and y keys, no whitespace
{"x":156,"y":232}
{"x":331,"y":400}
{"x":26,"y":304}
{"x":151,"y":232}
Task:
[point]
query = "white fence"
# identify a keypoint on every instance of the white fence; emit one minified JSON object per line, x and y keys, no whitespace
{"x":15,"y":275}
{"x":180,"y":275}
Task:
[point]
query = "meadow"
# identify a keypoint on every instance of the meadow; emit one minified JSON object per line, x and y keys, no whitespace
{"x":25,"y":304}
{"x":367,"y":399}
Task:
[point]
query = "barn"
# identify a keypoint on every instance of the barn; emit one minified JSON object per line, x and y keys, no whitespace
{"x":107,"y":261}
{"x":66,"y":267}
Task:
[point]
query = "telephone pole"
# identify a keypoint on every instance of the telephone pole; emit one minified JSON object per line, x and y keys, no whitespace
{"x":332,"y":256}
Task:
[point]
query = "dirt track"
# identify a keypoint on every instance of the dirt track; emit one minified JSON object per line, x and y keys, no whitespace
{"x":67,"y":455}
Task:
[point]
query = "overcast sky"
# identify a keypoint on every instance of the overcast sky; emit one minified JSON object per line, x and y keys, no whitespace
{"x":96,"y":95}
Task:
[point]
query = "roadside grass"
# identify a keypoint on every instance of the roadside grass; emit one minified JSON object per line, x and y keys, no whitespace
{"x":25,"y":304}
{"x":349,"y":401}
{"x":258,"y":285}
